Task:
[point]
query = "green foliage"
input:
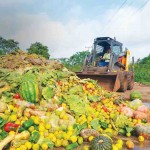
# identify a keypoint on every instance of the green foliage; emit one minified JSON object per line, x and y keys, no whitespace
{"x":39,"y":49}
{"x":7,"y":46}
{"x":142,"y":71}
{"x":75,"y":62}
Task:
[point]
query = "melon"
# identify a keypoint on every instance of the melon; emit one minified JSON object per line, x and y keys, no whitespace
{"x":29,"y":91}
{"x":135,"y":95}
{"x":101,"y":142}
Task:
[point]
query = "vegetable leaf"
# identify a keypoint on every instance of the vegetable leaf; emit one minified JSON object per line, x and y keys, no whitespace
{"x":48,"y":92}
{"x":47,"y":141}
{"x":95,"y":124}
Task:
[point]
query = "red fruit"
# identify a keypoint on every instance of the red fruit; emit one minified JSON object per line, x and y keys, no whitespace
{"x":105,"y":109}
{"x":17,"y":96}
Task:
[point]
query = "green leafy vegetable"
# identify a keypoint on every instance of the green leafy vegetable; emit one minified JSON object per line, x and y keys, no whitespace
{"x":46,"y":141}
{"x":94,"y":98}
{"x":79,"y":127}
{"x":76,"y":104}
{"x":76,"y":90}
{"x":48,"y":92}
{"x":95,"y":124}
{"x":2,"y":122}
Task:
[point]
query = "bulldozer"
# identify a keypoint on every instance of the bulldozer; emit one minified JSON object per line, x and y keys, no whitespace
{"x":117,"y":75}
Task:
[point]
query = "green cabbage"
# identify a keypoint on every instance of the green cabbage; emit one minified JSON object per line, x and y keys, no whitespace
{"x":76,"y":104}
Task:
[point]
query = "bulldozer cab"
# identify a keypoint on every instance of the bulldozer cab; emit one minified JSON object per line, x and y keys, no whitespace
{"x":101,"y":45}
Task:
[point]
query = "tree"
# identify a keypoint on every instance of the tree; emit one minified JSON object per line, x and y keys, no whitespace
{"x":7,"y":46}
{"x":75,"y":62}
{"x":39,"y":49}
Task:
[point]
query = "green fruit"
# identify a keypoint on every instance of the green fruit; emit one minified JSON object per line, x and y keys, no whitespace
{"x":128,"y":134}
{"x":101,"y":142}
{"x":135,"y":95}
{"x":29,"y":91}
{"x":80,"y":140}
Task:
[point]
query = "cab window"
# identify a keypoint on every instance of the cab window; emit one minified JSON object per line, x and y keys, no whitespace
{"x":116,"y":49}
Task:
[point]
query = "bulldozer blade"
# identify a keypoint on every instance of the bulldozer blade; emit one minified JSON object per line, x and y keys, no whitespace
{"x":109,"y":81}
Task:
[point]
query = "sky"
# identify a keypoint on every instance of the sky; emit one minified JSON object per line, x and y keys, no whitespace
{"x":70,"y":26}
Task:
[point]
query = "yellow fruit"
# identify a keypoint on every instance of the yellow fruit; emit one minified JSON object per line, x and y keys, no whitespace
{"x":17,"y":122}
{"x":89,"y":126}
{"x":31,"y":128}
{"x":89,"y":118}
{"x":135,"y":121}
{"x":141,"y":138}
{"x":128,"y":134}
{"x":28,"y":145}
{"x":110,"y":126}
{"x":7,"y":112}
{"x":13,"y":118}
{"x":80,"y":140}
{"x":66,"y":137}
{"x":15,"y":109}
{"x":36,"y":147}
{"x":64,"y":105}
{"x":96,"y":114}
{"x":11,"y":107}
{"x":73,"y":139}
{"x":120,"y":141}
{"x":23,"y":147}
{"x":91,"y":138}
{"x":41,"y":133}
{"x":36,"y":120}
{"x":48,"y":126}
{"x":54,"y":139}
{"x":70,"y":128}
{"x":41,"y":128}
{"x":119,"y":146}
{"x":51,"y":135}
{"x":56,"y":132}
{"x":11,"y":132}
{"x":69,"y":133}
{"x":44,"y":146}
{"x":65,"y":117}
{"x":32,"y":117}
{"x":85,"y":147}
{"x":114,"y":147}
{"x":62,"y":114}
{"x":59,"y":136}
{"x":58,"y":143}
{"x":65,"y":143}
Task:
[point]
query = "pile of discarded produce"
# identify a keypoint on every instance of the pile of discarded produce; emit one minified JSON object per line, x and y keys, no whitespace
{"x":43,"y":106}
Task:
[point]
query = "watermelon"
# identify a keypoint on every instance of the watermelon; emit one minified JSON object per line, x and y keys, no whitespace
{"x":135,"y":95}
{"x":29,"y":91}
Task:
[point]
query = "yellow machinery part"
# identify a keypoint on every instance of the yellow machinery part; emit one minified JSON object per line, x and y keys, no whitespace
{"x":127,"y":60}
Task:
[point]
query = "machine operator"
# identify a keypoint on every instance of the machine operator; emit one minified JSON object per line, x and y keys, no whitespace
{"x":106,"y":59}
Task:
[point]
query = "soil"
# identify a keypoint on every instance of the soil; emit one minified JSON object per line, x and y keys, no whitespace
{"x":143,"y":89}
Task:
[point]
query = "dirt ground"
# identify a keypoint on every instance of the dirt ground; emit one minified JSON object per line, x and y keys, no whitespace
{"x":143,"y":89}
